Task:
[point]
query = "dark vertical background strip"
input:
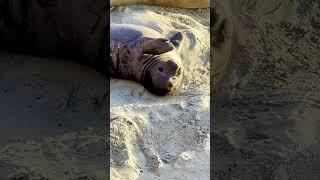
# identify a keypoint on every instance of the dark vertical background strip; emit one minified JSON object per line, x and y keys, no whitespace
{"x":212,"y":22}
{"x":212,"y":82}
{"x":107,"y":55}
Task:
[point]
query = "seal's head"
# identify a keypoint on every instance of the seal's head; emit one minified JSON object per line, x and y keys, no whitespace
{"x":164,"y":72}
{"x":165,"y":76}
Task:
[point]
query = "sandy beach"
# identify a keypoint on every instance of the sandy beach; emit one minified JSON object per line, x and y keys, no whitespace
{"x":164,"y":137}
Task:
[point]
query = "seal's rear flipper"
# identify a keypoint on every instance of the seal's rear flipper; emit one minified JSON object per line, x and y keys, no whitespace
{"x":155,"y":45}
{"x":177,"y":40}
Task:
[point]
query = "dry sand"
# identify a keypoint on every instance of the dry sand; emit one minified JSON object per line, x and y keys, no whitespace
{"x":266,"y":118}
{"x":164,"y":137}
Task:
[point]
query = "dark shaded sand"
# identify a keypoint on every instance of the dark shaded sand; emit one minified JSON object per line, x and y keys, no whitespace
{"x":52,"y":119}
{"x":267,"y":110}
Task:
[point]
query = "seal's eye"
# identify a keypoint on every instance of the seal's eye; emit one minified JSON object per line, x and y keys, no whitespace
{"x":160,"y":69}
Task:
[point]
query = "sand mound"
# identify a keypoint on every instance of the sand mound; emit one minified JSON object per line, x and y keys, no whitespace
{"x":164,"y":137}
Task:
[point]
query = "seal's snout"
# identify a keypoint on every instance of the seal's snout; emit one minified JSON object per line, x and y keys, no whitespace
{"x":171,"y":82}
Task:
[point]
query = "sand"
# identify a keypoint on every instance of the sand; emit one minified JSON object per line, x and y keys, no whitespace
{"x":267,"y":106}
{"x":53,"y":116}
{"x":265,"y":123}
{"x":52,"y":119}
{"x":164,"y":137}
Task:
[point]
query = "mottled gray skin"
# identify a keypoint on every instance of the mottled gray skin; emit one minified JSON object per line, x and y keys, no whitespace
{"x":143,"y":55}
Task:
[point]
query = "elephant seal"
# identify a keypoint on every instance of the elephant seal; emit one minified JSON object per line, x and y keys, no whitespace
{"x":143,"y":55}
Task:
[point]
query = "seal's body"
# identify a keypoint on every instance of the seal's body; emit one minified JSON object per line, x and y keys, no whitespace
{"x":143,"y":55}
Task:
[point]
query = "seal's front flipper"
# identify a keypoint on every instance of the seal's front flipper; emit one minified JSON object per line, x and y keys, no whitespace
{"x":155,"y":46}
